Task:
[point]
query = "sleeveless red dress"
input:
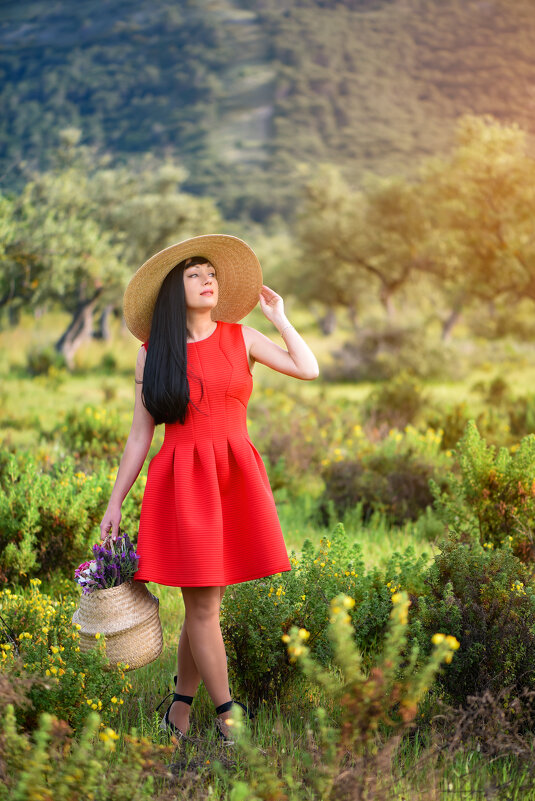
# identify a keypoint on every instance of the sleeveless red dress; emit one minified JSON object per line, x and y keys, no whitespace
{"x":208,"y":516}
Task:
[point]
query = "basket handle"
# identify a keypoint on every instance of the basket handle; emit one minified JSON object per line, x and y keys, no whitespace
{"x":109,"y":541}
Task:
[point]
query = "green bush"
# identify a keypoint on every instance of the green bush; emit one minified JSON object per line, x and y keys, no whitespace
{"x":293,"y":434}
{"x":344,"y":755}
{"x":452,"y":422}
{"x":397,"y":486}
{"x":49,"y":514}
{"x":379,"y":355}
{"x":108,"y":362}
{"x":256,"y":614}
{"x":485,"y":599}
{"x":522,"y":415}
{"x":396,"y":403}
{"x":391,"y":478}
{"x":44,"y":360}
{"x":93,"y":433}
{"x":54,"y":764}
{"x":494,"y":393}
{"x":492,"y":498}
{"x":46,"y":645}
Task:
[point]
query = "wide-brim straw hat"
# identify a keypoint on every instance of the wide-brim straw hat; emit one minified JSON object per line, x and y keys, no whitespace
{"x":239,"y":278}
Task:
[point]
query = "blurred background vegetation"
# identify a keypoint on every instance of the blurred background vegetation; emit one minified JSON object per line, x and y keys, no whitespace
{"x":378,"y":156}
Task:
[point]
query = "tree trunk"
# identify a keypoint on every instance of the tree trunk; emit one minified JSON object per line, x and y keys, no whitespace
{"x":385,"y":296}
{"x":103,"y":330}
{"x":449,"y":323}
{"x":352,"y":313}
{"x":328,"y":322}
{"x":79,"y":330}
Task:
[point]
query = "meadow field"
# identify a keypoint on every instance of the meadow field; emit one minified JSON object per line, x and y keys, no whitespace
{"x":378,"y":158}
{"x":394,"y":661}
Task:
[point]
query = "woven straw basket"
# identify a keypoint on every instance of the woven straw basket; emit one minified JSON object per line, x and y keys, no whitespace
{"x":127,"y":617}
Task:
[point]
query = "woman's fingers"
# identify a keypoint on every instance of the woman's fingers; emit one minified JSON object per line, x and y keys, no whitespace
{"x":269,"y":295}
{"x":109,"y":524}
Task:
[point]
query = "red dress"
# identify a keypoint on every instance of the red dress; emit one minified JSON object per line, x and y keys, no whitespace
{"x":208,"y":516}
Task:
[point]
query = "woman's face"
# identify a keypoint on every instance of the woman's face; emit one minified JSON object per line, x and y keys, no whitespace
{"x":200,"y":286}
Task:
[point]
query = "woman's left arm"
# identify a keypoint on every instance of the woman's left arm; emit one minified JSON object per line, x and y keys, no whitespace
{"x":298,"y":360}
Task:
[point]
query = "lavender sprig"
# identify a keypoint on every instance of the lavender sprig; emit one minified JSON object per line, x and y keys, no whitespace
{"x":112,"y":564}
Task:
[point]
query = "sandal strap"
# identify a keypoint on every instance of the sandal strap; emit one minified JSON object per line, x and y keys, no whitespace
{"x":163,"y":702}
{"x":187,"y":699}
{"x":223,"y":707}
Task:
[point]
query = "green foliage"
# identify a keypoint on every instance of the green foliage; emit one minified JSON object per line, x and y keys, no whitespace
{"x":484,"y":598}
{"x":452,"y":421}
{"x":255,"y":614}
{"x":49,"y":514}
{"x":496,"y":392}
{"x":295,"y":94}
{"x":493,"y":497}
{"x":396,"y":486}
{"x":522,"y":415}
{"x":44,"y":361}
{"x":346,"y":754}
{"x":93,"y":432}
{"x":294,"y":435}
{"x":100,"y":220}
{"x":397,"y":402}
{"x":391,"y":477}
{"x":54,"y":764}
{"x":378,"y":353}
{"x":46,"y":646}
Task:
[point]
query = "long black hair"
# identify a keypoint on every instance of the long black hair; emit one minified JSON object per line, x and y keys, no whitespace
{"x":165,"y":380}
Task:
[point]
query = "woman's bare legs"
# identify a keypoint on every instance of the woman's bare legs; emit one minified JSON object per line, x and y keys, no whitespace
{"x":200,"y":609}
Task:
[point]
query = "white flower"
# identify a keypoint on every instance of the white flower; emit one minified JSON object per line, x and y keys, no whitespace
{"x":93,"y":566}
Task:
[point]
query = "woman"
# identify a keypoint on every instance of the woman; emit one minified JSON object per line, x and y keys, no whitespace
{"x":208,"y":517}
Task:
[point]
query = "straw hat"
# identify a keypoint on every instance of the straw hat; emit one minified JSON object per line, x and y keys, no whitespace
{"x":239,"y":278}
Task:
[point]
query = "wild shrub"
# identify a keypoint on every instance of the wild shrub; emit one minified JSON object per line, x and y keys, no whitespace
{"x":44,"y":360}
{"x":256,"y":613}
{"x":344,"y":757}
{"x":379,"y":355}
{"x":484,"y":598}
{"x":93,"y":433}
{"x":391,"y":478}
{"x":40,"y":640}
{"x":55,"y":764}
{"x":49,"y":514}
{"x":492,"y":498}
{"x":495,"y":392}
{"x":399,"y":486}
{"x":396,"y":403}
{"x":452,"y":422}
{"x":294,"y":434}
{"x":522,"y":415}
{"x":108,"y":362}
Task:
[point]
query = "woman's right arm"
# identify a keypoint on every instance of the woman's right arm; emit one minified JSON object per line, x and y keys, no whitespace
{"x":135,"y":452}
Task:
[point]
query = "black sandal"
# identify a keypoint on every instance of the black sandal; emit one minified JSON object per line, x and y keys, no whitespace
{"x":166,"y":725}
{"x":219,"y":723}
{"x":245,"y":708}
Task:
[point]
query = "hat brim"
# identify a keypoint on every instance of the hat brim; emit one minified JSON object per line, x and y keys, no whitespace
{"x":239,"y":278}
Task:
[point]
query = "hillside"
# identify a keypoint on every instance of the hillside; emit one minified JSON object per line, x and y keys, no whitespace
{"x":243,"y":92}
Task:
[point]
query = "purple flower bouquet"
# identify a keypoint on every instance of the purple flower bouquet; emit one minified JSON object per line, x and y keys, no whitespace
{"x":113,"y":563}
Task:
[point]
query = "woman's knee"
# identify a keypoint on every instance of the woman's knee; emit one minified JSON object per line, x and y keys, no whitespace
{"x":202,"y":604}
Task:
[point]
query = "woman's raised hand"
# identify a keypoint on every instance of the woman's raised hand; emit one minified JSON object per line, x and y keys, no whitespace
{"x":272,"y":305}
{"x":110,"y":522}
